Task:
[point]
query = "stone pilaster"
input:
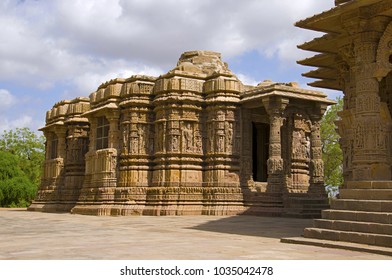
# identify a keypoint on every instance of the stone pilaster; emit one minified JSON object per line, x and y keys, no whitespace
{"x":246,"y":150}
{"x":370,"y":157}
{"x":345,"y":124}
{"x":275,"y":107}
{"x":179,"y":124}
{"x":316,"y":163}
{"x":61,"y":133}
{"x":223,"y":144}
{"x":136,"y":146}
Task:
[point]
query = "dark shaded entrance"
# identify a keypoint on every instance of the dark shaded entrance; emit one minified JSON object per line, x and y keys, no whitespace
{"x":260,"y":151}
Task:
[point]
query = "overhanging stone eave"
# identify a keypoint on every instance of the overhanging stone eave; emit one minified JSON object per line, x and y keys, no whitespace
{"x":322,"y":22}
{"x":329,"y":21}
{"x":110,"y":106}
{"x":279,"y":87}
{"x":76,"y":120}
{"x":322,"y":73}
{"x":319,"y":60}
{"x":306,"y":95}
{"x":51,"y":125}
{"x":325,"y":44}
{"x":326,"y":84}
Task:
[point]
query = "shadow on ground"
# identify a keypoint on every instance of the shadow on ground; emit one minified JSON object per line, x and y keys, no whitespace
{"x":273,"y":227}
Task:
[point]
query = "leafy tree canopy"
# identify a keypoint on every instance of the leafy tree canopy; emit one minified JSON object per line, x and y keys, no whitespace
{"x":332,"y":153}
{"x":21,"y":156}
{"x":28,"y":147}
{"x":16,"y":190}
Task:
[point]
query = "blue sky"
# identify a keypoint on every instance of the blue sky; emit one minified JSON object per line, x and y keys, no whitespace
{"x":52,"y":50}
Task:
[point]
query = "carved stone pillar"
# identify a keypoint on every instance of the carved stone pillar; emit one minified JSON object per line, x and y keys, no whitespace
{"x":114,"y":133}
{"x":316,"y":163}
{"x":61,"y":133}
{"x":246,"y":151}
{"x":77,"y":146}
{"x":223,"y":143}
{"x":275,"y":107}
{"x":179,"y":129}
{"x":136,"y":142}
{"x":345,"y":124}
{"x":370,"y":158}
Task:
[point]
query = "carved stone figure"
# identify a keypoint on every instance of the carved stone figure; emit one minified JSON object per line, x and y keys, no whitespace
{"x":210,"y":137}
{"x":142,"y":143}
{"x":160,"y":137}
{"x":187,"y":134}
{"x":229,"y":136}
{"x":198,"y":143}
{"x":220,"y":145}
{"x":125,"y":137}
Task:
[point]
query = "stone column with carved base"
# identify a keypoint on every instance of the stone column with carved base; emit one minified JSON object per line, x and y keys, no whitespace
{"x":137,"y":146}
{"x":223,"y":194}
{"x":316,"y":168}
{"x":275,"y":107}
{"x":178,"y":171}
{"x":370,"y":158}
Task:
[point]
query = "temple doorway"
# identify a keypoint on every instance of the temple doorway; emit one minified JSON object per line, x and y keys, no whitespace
{"x":260,"y":151}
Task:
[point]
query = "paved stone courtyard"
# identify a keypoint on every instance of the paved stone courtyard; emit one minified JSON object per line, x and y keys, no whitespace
{"x":35,"y":235}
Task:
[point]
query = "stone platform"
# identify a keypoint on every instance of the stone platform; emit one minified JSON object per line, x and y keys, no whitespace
{"x":46,"y":236}
{"x":362,"y":214}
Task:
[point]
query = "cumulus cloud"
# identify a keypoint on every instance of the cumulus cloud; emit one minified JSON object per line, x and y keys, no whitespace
{"x":63,"y":49}
{"x":7,"y":103}
{"x":89,"y":81}
{"x":6,"y":99}
{"x":22,"y":121}
{"x":246,"y":80}
{"x":63,"y":40}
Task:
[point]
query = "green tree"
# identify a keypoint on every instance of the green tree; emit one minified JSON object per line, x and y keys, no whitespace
{"x":28,"y":147}
{"x":332,"y":153}
{"x":22,"y":154}
{"x":16,"y":189}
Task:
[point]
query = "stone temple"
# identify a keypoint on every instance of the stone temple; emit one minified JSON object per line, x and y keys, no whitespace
{"x":193,"y":141}
{"x":355,"y":56}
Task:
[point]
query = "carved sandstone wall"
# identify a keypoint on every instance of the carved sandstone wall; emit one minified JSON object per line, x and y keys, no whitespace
{"x":183,"y":144}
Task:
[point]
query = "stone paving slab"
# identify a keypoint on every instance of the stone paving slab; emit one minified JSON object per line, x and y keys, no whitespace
{"x":46,"y":236}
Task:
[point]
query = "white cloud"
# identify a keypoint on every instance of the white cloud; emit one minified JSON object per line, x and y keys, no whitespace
{"x":22,"y":121}
{"x":64,"y":40}
{"x":70,"y":47}
{"x":6,"y":99}
{"x":9,"y":115}
{"x":246,"y":80}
